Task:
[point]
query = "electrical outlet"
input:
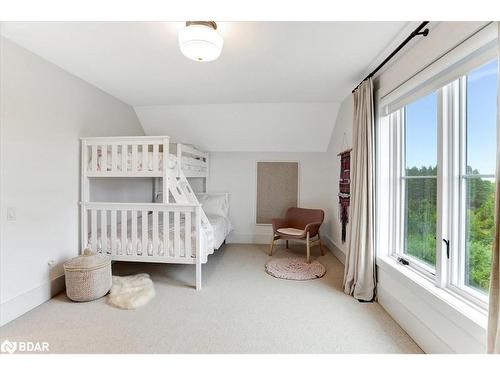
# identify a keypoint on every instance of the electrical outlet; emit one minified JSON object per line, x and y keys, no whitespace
{"x":51,"y":262}
{"x":11,"y":214}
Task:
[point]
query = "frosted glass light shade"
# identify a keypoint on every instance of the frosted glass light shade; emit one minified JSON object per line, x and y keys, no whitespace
{"x":200,"y":42}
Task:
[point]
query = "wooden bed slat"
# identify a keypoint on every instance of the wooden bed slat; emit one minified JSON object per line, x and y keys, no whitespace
{"x":134,"y":231}
{"x":155,"y":158}
{"x":93,"y":230}
{"x":166,"y":232}
{"x":155,"y":233}
{"x":104,"y":231}
{"x":104,"y":158}
{"x":124,"y":153}
{"x":134,"y":159}
{"x":145,"y":157}
{"x":177,"y":233}
{"x":187,"y":234}
{"x":93,"y":165}
{"x":123,"y":231}
{"x":113,"y":231}
{"x":144,"y":236}
{"x":114,"y":158}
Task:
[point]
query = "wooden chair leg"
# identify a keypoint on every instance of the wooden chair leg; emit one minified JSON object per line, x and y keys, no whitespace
{"x":321,"y":246}
{"x":271,"y":249}
{"x":287,"y":244}
{"x":308,"y":248}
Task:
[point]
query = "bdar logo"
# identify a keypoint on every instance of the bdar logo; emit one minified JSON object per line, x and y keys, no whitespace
{"x":24,"y":346}
{"x":8,"y":347}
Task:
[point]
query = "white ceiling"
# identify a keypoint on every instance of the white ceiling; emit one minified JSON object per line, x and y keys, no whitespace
{"x":140,"y":62}
{"x":271,"y":127}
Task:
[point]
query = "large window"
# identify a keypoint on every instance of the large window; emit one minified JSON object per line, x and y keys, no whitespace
{"x":442,"y":154}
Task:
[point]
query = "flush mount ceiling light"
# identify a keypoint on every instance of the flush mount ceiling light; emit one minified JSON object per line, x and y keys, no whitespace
{"x":200,"y":41}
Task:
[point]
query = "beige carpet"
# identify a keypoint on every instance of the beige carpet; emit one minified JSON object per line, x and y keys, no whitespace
{"x":240,"y":309}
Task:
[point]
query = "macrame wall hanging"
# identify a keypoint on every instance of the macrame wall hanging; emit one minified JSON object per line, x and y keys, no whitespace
{"x":344,"y":189}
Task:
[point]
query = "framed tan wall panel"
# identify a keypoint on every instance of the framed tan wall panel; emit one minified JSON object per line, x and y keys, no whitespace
{"x":277,"y":189}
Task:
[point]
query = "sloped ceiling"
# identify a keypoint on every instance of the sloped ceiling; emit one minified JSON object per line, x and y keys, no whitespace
{"x":276,"y":86}
{"x":283,"y":127}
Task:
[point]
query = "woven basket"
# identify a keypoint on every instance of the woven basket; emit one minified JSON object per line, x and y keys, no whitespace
{"x":88,"y":277}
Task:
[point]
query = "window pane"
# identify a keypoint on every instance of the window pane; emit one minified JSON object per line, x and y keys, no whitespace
{"x":421,"y":137}
{"x":481,"y":119}
{"x":479,"y":231}
{"x":420,"y":219}
{"x":480,"y":159}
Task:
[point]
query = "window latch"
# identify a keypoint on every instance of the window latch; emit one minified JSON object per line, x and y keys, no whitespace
{"x":447,"y":242}
{"x":403,"y":261}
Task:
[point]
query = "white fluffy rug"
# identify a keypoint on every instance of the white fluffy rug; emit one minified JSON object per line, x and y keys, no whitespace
{"x":131,"y":292}
{"x":295,"y":269}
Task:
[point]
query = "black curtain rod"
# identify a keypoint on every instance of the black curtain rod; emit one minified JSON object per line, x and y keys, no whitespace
{"x":417,"y":31}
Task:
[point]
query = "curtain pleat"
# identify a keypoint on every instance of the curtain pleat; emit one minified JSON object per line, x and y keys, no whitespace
{"x":359,"y":273}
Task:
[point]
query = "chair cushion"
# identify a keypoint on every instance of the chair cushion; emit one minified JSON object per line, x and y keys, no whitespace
{"x":291,"y":232}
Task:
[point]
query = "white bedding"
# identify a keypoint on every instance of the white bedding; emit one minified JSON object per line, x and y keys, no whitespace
{"x":188,"y":163}
{"x":221,"y":227}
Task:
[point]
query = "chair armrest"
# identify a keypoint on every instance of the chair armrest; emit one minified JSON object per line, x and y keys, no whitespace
{"x":279,"y":223}
{"x":312,"y":228}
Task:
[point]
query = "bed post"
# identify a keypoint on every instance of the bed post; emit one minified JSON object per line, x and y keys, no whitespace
{"x":198,"y":246}
{"x":166,"y":177}
{"x":208,"y":171}
{"x":84,"y":195}
{"x":179,"y":159}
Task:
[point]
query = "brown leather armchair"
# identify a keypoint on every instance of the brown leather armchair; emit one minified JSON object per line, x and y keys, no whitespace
{"x":299,"y":224}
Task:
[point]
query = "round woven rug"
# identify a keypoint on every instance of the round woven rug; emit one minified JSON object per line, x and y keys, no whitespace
{"x":295,"y":269}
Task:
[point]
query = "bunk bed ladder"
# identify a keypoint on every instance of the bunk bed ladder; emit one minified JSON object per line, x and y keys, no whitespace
{"x":182,"y":193}
{"x":186,"y":188}
{"x":177,"y":191}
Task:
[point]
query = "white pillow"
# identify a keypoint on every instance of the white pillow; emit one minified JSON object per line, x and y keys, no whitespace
{"x":215,"y":205}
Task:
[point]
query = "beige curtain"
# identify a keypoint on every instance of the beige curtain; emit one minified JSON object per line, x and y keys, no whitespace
{"x":494,"y":310}
{"x":359,"y":273}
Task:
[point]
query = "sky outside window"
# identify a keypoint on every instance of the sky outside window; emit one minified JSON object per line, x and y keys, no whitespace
{"x":481,"y":118}
{"x":421,"y":133}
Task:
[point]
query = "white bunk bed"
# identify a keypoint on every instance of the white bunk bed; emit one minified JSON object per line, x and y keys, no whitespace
{"x":172,"y":229}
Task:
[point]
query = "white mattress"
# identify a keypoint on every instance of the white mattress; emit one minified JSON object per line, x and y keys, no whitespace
{"x":221,"y":227}
{"x":188,"y":163}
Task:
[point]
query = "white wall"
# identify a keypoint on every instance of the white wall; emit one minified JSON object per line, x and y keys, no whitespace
{"x":44,"y":111}
{"x":256,"y":127}
{"x":118,"y":189}
{"x":235,"y":173}
{"x":341,"y":140}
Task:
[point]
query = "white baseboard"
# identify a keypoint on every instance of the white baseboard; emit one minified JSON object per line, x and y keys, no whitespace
{"x":254,"y":238}
{"x":339,"y":254}
{"x":25,"y":302}
{"x":245,"y":238}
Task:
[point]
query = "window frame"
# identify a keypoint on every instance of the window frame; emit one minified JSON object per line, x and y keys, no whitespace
{"x":449,"y":273}
{"x":456,"y":279}
{"x":398,"y":140}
